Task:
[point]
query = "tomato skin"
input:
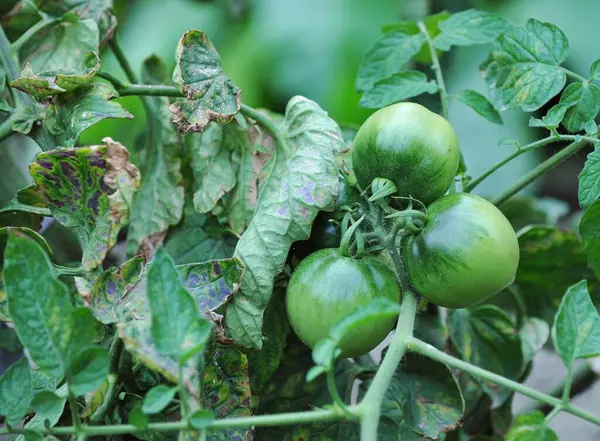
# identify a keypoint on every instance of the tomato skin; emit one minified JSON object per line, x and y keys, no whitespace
{"x":327,"y":286}
{"x":410,"y":145}
{"x":467,"y":252}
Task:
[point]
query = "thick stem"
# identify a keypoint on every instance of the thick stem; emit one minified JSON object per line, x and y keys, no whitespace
{"x":427,"y":350}
{"x":437,"y":68}
{"x":549,"y":163}
{"x":370,"y":407}
{"x":532,"y":146}
{"x":144,"y":89}
{"x":6,"y":128}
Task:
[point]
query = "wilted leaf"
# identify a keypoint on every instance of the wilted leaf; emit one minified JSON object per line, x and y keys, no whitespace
{"x":534,"y":333}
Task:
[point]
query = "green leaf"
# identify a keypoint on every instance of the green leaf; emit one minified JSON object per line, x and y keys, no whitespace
{"x":138,"y":418}
{"x":589,"y":230}
{"x":481,"y":105}
{"x":595,"y":70}
{"x":45,"y":401}
{"x":226,"y":389}
{"x":28,"y":199}
{"x":487,"y":337}
{"x":158,"y":398}
{"x":50,"y":415}
{"x":159,"y":202}
{"x":209,"y":94}
{"x":178,"y":328}
{"x":5,"y":233}
{"x":576,"y":329}
{"x":25,"y":117}
{"x":584,"y":100}
{"x":263,"y":364}
{"x":302,"y":182}
{"x":425,"y":396}
{"x":88,"y":370}
{"x":531,"y":427}
{"x":523,"y":68}
{"x":543,"y":274}
{"x":53,"y":57}
{"x":552,"y":119}
{"x":534,"y":333}
{"x":76,"y":111}
{"x":388,"y":55}
{"x":397,"y":87}
{"x":44,"y":324}
{"x":589,"y":179}
{"x":88,"y":189}
{"x":470,"y":27}
{"x":201,"y":419}
{"x":15,"y":392}
{"x":590,"y":128}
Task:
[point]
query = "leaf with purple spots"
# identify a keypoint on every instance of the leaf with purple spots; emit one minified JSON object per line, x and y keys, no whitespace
{"x":88,"y":189}
{"x":302,"y":182}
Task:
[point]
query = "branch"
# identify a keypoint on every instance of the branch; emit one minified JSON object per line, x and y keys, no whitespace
{"x":437,"y":68}
{"x":427,"y":350}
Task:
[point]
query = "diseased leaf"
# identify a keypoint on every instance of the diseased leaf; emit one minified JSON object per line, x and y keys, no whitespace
{"x":389,"y":55}
{"x":534,"y":333}
{"x":589,"y":179}
{"x":523,"y":68}
{"x":584,"y":101}
{"x":397,"y":87}
{"x":589,"y":229}
{"x":60,"y":56}
{"x":88,"y":189}
{"x":481,"y":105}
{"x":470,"y":27}
{"x":209,"y":94}
{"x":487,"y":337}
{"x":303,"y":182}
{"x":531,"y":427}
{"x":15,"y":392}
{"x":159,"y":202}
{"x":74,"y":112}
{"x":576,"y":329}
{"x":29,"y":199}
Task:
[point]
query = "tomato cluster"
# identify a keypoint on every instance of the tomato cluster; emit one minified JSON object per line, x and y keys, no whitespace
{"x":465,"y":252}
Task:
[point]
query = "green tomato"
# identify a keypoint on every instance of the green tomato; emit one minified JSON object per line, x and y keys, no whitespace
{"x":327,"y":286}
{"x":467,"y":252}
{"x":413,"y":147}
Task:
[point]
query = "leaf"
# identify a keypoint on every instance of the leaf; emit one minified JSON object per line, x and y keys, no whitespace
{"x":159,"y":202}
{"x":425,"y":396}
{"x":44,"y":324}
{"x":589,"y":230}
{"x":522,"y":211}
{"x":158,"y":398}
{"x":201,"y":419}
{"x":138,"y":418}
{"x":543,"y":274}
{"x":226,"y":389}
{"x":209,"y":94}
{"x":15,"y":392}
{"x":25,"y":117}
{"x":263,"y":364}
{"x":481,"y":105}
{"x":28,"y":199}
{"x":303,"y":182}
{"x":584,"y":100}
{"x":534,"y":333}
{"x":531,"y":427}
{"x":60,"y":56}
{"x":388,"y":55}
{"x":88,"y":370}
{"x":595,"y":70}
{"x":397,"y":87}
{"x":523,"y":68}
{"x":552,"y":119}
{"x":45,"y":401}
{"x":589,"y":179}
{"x":486,"y":337}
{"x":50,"y":414}
{"x":88,"y":189}
{"x":76,"y":111}
{"x":470,"y":27}
{"x":576,"y":329}
{"x":178,"y":329}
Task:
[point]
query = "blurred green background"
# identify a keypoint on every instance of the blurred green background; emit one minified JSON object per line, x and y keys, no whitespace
{"x":274,"y":49}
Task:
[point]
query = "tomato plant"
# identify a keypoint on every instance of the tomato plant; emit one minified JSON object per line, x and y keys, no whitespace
{"x":148,"y":291}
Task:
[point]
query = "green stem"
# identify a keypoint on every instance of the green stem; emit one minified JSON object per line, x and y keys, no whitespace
{"x":519,"y":305}
{"x":183,"y":398}
{"x":18,"y":43}
{"x":281,"y":419}
{"x":549,"y":163}
{"x":370,"y":407}
{"x":144,"y":89}
{"x":74,"y":411}
{"x":6,"y":128}
{"x":574,"y":75}
{"x":8,"y":57}
{"x":554,"y":412}
{"x":429,"y":351}
{"x":567,"y":387}
{"x":335,"y":395}
{"x":122,"y":59}
{"x":116,"y":348}
{"x":68,"y":271}
{"x":268,"y":124}
{"x":522,"y":150}
{"x":437,"y":68}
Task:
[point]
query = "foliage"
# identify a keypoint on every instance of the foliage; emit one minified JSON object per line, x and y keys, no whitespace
{"x":186,"y":330}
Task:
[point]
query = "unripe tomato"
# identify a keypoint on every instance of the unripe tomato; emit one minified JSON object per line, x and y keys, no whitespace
{"x":410,"y":145}
{"x":327,"y":286}
{"x":467,"y":252}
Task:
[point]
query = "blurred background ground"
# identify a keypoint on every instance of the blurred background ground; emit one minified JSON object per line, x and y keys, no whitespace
{"x":274,"y":49}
